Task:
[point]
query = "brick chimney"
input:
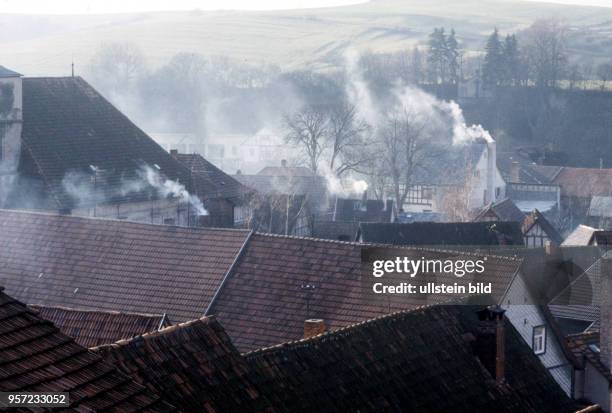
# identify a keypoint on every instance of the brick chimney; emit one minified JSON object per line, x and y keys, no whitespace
{"x":313,"y":327}
{"x":515,"y":172}
{"x":605,"y":329}
{"x":490,"y":341}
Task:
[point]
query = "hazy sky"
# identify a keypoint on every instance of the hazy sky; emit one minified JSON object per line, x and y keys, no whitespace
{"x":114,"y":6}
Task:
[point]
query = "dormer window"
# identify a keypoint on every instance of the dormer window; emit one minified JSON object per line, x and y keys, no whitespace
{"x":539,"y":340}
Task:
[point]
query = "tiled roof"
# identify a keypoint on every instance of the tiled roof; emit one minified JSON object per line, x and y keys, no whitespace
{"x":582,"y":346}
{"x":334,"y":230}
{"x":416,"y":361}
{"x":192,"y":365}
{"x":266,"y":299}
{"x":69,"y":127}
{"x":582,"y":235}
{"x":36,"y":357}
{"x":58,"y":260}
{"x":505,"y":211}
{"x":601,"y":206}
{"x":224,"y":185}
{"x":535,"y":217}
{"x":92,"y":328}
{"x":443,"y":233}
{"x":584,"y":182}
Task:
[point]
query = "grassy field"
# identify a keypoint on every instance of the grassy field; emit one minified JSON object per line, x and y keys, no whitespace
{"x":46,"y":45}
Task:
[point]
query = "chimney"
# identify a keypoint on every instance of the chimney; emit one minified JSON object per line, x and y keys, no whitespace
{"x":490,"y":341}
{"x":10,"y":128}
{"x":550,"y":248}
{"x":605,"y":329}
{"x":174,"y":152}
{"x":491,"y":170}
{"x":284,"y":163}
{"x":313,"y":327}
{"x":515,"y":172}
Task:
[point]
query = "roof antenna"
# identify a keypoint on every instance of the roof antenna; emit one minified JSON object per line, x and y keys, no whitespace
{"x":72,"y":66}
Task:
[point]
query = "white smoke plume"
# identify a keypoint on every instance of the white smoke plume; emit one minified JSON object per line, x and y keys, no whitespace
{"x":411,"y":98}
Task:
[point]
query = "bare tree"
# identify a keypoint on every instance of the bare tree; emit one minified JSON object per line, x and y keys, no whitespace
{"x":404,"y":143}
{"x":116,"y":66}
{"x":308,"y":129}
{"x":346,"y":137}
{"x":545,"y":51}
{"x":604,"y":72}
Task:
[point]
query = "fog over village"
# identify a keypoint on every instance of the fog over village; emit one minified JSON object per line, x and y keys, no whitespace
{"x":362,"y":206}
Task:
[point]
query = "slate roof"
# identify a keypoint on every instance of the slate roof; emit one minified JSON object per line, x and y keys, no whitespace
{"x":449,"y":166}
{"x":372,"y":210}
{"x":193,"y":365}
{"x":68,"y":127}
{"x":421,"y":360}
{"x":224,"y":185}
{"x":36,"y":357}
{"x":582,"y":235}
{"x":265,"y":299}
{"x":100,"y":264}
{"x":527,"y":173}
{"x":504,"y":210}
{"x":603,"y":239}
{"x":535,"y":217}
{"x":442,"y":233}
{"x":335,"y":230}
{"x":91,"y":328}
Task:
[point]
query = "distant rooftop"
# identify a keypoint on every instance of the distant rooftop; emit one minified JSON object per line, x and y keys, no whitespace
{"x":4,"y":72}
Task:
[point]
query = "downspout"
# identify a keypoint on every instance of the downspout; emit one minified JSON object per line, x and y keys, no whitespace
{"x":228,"y":273}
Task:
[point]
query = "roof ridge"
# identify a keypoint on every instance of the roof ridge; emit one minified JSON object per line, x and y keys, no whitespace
{"x":351,"y":327}
{"x":126,"y":222}
{"x":86,"y":310}
{"x":163,"y":331}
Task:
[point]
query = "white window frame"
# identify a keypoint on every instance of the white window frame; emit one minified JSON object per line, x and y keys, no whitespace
{"x":538,"y":342}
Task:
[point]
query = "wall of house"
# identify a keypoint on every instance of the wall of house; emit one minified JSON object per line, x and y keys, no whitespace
{"x":162,"y":211}
{"x":524,"y":315}
{"x":535,"y":237}
{"x":10,"y":132}
{"x":596,"y":387}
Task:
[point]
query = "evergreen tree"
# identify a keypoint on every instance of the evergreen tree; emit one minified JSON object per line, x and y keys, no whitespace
{"x":452,"y":57}
{"x":511,"y":62}
{"x":493,"y":67}
{"x":436,"y":59}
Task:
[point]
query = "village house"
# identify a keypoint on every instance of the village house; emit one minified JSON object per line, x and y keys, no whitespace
{"x":466,"y":177}
{"x":66,"y":149}
{"x":37,"y":357}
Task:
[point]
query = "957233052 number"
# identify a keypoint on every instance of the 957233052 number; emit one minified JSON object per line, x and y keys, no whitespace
{"x":31,"y":399}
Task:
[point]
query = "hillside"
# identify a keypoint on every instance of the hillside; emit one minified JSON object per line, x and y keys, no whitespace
{"x":294,"y":38}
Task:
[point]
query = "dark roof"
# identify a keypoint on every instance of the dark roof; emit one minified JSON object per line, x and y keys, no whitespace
{"x":193,"y":365}
{"x":285,"y":171}
{"x":36,"y":357}
{"x":535,"y":217}
{"x":100,"y":264}
{"x":603,"y":239}
{"x":371,"y":210}
{"x":421,"y":360}
{"x":92,"y":328}
{"x":450,"y":166}
{"x":335,"y":230}
{"x":69,"y":127}
{"x":4,"y":72}
{"x":224,"y":185}
{"x":263,"y":301}
{"x":442,"y":233}
{"x":528,"y":174}
{"x":505,"y":211}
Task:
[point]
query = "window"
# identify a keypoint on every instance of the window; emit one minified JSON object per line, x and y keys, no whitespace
{"x":539,"y":340}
